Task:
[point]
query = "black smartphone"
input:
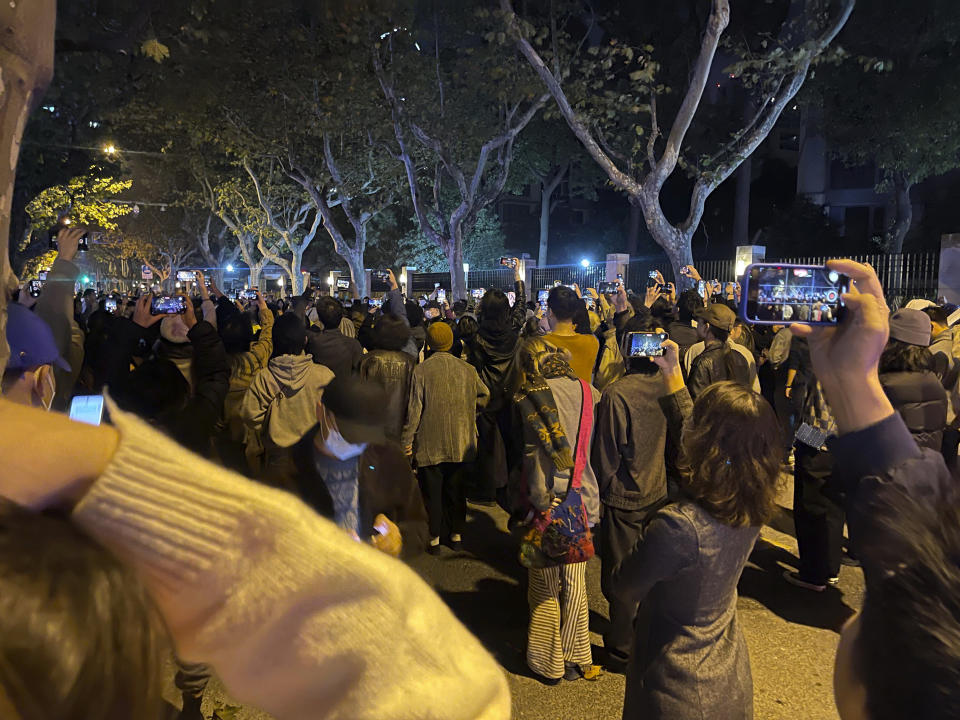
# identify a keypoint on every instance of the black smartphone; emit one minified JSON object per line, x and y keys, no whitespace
{"x":542,"y":297}
{"x":110,"y":305}
{"x":590,"y":303}
{"x":508,"y":262}
{"x":382,"y":275}
{"x":83,"y":244}
{"x":644,"y":344}
{"x":251,"y":294}
{"x":168,"y":305}
{"x":34,"y":288}
{"x":609,"y":288}
{"x":785,"y":294}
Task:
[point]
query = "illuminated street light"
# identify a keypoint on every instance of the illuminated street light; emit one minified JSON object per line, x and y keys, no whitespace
{"x":585,"y":263}
{"x":280,"y":282}
{"x":229,"y":268}
{"x":110,"y":149}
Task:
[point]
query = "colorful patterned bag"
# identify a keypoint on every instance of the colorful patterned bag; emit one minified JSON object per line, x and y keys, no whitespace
{"x":561,"y":535}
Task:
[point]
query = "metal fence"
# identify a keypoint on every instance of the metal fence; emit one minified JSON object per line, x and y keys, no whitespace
{"x":905,"y":276}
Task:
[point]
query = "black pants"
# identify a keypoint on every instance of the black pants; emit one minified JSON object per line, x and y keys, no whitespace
{"x":617,"y":535}
{"x":443,"y":495}
{"x":817,"y":517}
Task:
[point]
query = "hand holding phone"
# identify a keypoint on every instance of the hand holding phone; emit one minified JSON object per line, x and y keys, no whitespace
{"x":794,"y":294}
{"x":644,"y":344}
{"x":168,"y":305}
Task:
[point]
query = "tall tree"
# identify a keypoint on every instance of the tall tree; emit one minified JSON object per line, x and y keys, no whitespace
{"x":287,"y":214}
{"x":458,"y":103}
{"x":26,"y":66}
{"x":640,"y":169}
{"x":895,"y":100}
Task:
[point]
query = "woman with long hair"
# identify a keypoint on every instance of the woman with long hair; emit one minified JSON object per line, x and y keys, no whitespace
{"x":556,"y":413}
{"x":690,"y":658}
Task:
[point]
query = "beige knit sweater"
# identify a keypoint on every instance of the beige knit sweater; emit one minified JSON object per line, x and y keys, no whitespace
{"x":296,"y":618}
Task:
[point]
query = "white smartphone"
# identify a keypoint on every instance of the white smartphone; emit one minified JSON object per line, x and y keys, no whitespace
{"x":87,"y":409}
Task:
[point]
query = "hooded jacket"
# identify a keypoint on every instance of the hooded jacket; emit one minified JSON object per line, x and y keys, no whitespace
{"x":281,"y":403}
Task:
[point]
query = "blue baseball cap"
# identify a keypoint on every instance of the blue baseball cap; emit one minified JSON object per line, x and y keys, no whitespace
{"x":31,"y":340}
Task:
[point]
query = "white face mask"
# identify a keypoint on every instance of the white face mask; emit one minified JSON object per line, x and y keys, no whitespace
{"x":336,"y":444}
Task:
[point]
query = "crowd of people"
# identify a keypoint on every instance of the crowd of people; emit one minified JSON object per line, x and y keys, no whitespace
{"x":268,"y":466}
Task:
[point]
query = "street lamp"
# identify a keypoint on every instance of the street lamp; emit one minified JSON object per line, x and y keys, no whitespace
{"x":585,"y":263}
{"x":229,"y":268}
{"x":110,"y":150}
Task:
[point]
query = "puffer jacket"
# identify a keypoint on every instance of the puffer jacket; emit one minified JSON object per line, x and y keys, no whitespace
{"x":921,"y":401}
{"x":394,"y":370}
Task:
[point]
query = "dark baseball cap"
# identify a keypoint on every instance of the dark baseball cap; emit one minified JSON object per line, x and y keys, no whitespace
{"x":31,"y":340}
{"x":717,"y":315}
{"x":359,"y":408}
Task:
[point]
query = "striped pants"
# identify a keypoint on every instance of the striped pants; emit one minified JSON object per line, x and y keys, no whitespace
{"x":559,"y":619}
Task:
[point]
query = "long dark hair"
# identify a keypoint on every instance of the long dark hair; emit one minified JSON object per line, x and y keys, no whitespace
{"x":732,"y":450}
{"x":494,"y":312}
{"x":899,"y":356}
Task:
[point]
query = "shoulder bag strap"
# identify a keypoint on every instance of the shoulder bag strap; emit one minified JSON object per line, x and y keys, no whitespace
{"x":583,"y":435}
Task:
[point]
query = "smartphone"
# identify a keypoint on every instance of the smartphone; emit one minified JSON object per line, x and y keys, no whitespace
{"x":376,"y":302}
{"x":590,"y":303}
{"x":110,"y":305}
{"x":441,"y":295}
{"x":436,"y":286}
{"x":83,"y":244}
{"x":42,"y":275}
{"x":652,"y":274}
{"x":542,"y":297}
{"x":508,"y":262}
{"x":702,"y":287}
{"x":644,"y":344}
{"x":186,"y":276}
{"x":343,"y":283}
{"x":168,"y":305}
{"x":609,"y":288}
{"x":512,"y":298}
{"x":87,"y":409}
{"x":382,"y":275}
{"x":785,"y":294}
{"x":251,"y":294}
{"x":34,"y":287}
{"x":476,"y":293}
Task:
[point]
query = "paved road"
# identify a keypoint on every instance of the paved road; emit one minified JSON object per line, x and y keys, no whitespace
{"x":791,"y":633}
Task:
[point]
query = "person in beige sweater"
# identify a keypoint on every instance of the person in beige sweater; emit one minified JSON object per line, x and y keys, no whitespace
{"x":291,"y":612}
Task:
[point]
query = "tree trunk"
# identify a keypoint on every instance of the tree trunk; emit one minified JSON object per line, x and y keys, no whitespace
{"x":741,"y":208}
{"x":26,"y":67}
{"x":633,"y":231}
{"x":458,"y":278}
{"x":546,"y":198}
{"x":358,"y":273}
{"x":903,"y":214}
{"x":296,"y":277}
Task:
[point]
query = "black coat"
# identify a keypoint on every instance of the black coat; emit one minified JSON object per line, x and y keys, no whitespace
{"x":394,"y":370}
{"x":386,"y":486}
{"x":922,"y":403}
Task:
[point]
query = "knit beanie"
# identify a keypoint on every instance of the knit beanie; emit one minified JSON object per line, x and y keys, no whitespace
{"x":911,"y":326}
{"x":439,"y":337}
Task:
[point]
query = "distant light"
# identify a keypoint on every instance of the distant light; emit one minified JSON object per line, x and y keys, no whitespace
{"x":280,"y":282}
{"x":67,"y":221}
{"x":94,"y":124}
{"x":178,"y":284}
{"x":229,"y":268}
{"x":86,"y":279}
{"x":585,"y":263}
{"x":110,"y":149}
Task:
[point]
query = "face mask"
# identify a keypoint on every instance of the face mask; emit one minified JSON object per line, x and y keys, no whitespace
{"x":47,"y":398}
{"x":338,"y":446}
